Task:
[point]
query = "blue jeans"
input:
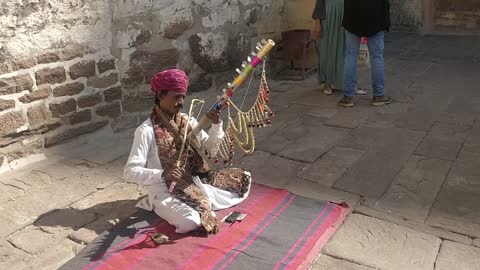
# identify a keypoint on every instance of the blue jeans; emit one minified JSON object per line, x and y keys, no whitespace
{"x":375,"y":48}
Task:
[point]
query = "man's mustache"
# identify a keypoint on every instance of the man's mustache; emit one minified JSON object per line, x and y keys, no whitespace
{"x":180,"y":106}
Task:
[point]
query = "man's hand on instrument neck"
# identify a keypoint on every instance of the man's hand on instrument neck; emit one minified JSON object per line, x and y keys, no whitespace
{"x":214,"y":116}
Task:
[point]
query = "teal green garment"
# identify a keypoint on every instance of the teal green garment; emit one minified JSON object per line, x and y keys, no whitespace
{"x":331,"y":45}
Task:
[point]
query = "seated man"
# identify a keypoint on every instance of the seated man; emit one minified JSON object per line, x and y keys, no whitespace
{"x":186,"y":193}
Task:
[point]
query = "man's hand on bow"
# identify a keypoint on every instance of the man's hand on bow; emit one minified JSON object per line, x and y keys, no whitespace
{"x":175,"y":174}
{"x":214,"y":116}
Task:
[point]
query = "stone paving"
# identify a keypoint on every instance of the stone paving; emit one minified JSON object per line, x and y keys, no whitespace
{"x":409,"y":170}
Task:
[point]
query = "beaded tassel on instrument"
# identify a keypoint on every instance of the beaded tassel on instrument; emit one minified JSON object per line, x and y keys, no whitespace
{"x":239,"y":131}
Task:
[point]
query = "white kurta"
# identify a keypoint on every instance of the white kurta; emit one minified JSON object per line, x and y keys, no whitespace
{"x":144,"y":168}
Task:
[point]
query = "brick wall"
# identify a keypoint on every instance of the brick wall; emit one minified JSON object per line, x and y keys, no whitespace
{"x":54,"y":97}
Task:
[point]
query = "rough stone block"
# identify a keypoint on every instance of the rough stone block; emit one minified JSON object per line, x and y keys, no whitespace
{"x":16,"y":84}
{"x":73,"y":132}
{"x":68,"y":89}
{"x":9,"y":122}
{"x":37,"y":115}
{"x":134,"y":76}
{"x":7,"y":86}
{"x":144,"y":64}
{"x":5,"y":68}
{"x":137,"y":104}
{"x":63,"y":108}
{"x":50,"y":75}
{"x":23,"y":82}
{"x":175,"y":29}
{"x":114,"y":93}
{"x":111,"y":110}
{"x":82,"y":69}
{"x":209,"y":51}
{"x":125,"y":123}
{"x":42,"y":93}
{"x":330,"y":167}
{"x":48,"y":58}
{"x":90,"y":100}
{"x":238,"y":47}
{"x":6,"y":104}
{"x":103,"y":82}
{"x":376,"y":243}
{"x":72,"y":51}
{"x":201,"y":84}
{"x":457,"y":256}
{"x":32,"y":240}
{"x":325,"y":262}
{"x":80,"y":117}
{"x":105,"y":65}
{"x":23,"y":63}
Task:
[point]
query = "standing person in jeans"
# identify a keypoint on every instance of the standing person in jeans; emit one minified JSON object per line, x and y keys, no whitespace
{"x":365,"y":19}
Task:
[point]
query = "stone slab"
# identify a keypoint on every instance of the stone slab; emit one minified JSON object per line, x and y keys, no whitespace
{"x":40,"y":201}
{"x":416,"y":120}
{"x":272,"y":170}
{"x":415,"y":225}
{"x":373,"y":173}
{"x":476,"y":242}
{"x":109,"y":153}
{"x":331,"y":166}
{"x":115,"y":196}
{"x":325,"y":262}
{"x":308,"y":140}
{"x":65,"y":221}
{"x":364,"y":137}
{"x":350,"y":118}
{"x":453,"y":223}
{"x":11,"y":257}
{"x":415,"y":188}
{"x":32,"y":240}
{"x":53,"y":258}
{"x":456,"y":206}
{"x":116,"y":215}
{"x":457,"y":256}
{"x":322,"y":193}
{"x":439,"y":148}
{"x":376,"y":243}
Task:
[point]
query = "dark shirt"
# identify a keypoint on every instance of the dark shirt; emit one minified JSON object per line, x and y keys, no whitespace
{"x":319,"y":11}
{"x":365,"y":18}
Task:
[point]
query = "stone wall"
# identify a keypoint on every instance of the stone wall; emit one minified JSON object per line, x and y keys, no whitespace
{"x":407,"y":15}
{"x":71,"y":67}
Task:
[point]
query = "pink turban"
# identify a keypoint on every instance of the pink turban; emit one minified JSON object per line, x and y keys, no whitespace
{"x":170,"y":80}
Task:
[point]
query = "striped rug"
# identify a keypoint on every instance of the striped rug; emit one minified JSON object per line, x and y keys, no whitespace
{"x":281,"y":231}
